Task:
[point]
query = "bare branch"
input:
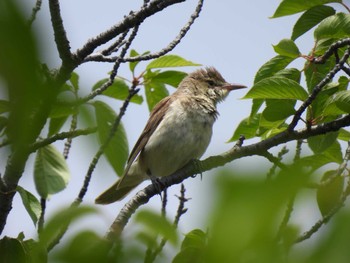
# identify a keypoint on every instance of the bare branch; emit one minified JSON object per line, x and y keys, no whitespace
{"x":116,"y":66}
{"x":68,"y":143}
{"x":35,"y":11}
{"x":61,"y":39}
{"x":143,"y":196}
{"x":100,"y":57}
{"x":130,"y":21}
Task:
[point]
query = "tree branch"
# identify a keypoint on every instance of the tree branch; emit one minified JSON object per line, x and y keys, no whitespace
{"x":101,"y":57}
{"x":61,"y":136}
{"x":61,"y":39}
{"x":143,"y":196}
{"x":129,"y":22}
{"x":35,"y":11}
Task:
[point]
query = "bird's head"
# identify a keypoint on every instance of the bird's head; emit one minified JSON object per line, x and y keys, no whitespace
{"x":210,"y":83}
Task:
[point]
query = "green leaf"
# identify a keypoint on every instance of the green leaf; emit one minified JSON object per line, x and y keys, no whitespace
{"x":192,"y":247}
{"x":334,"y":153}
{"x":290,"y":7}
{"x":338,"y":103}
{"x":31,"y":204}
{"x":117,"y":150}
{"x":171,"y":77}
{"x":274,"y":130}
{"x":344,"y":135}
{"x":341,"y":99}
{"x":320,"y":143}
{"x":331,"y":155}
{"x":195,"y":239}
{"x":56,"y":125}
{"x":256,"y":105}
{"x":51,"y":174}
{"x":132,"y":65}
{"x":11,"y":250}
{"x":335,"y":26}
{"x":35,"y":252}
{"x":278,"y":110}
{"x":157,"y":224}
{"x":319,"y":105}
{"x":287,"y":48}
{"x":311,"y":18}
{"x":155,"y":92}
{"x":61,"y":220}
{"x":329,"y":194}
{"x":170,"y":61}
{"x":74,"y":79}
{"x":118,"y":90}
{"x":86,"y":246}
{"x":247,"y":127}
{"x":60,"y":111}
{"x":315,"y":73}
{"x":289,"y":73}
{"x":268,"y":125}
{"x":3,"y":123}
{"x":271,"y":67}
{"x":4,"y":106}
{"x":276,"y":88}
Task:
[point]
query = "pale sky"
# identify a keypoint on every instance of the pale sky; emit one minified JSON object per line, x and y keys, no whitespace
{"x":236,"y":37}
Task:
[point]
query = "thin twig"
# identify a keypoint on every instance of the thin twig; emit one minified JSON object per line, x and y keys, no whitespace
{"x":68,"y":143}
{"x":42,"y":215}
{"x":35,"y":11}
{"x":116,"y":66}
{"x":276,"y":162}
{"x":180,"y":211}
{"x":330,"y":51}
{"x":298,"y":150}
{"x":346,"y":7}
{"x":102,"y":58}
{"x":116,"y":45}
{"x":286,"y":218}
{"x":164,"y":202}
{"x":98,"y":154}
{"x":129,"y":22}
{"x":61,"y":136}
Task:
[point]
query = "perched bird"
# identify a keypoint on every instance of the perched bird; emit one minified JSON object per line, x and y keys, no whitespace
{"x":179,"y":129}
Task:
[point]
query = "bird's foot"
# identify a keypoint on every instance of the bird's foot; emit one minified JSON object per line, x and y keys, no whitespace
{"x":197,"y":164}
{"x":157,"y":184}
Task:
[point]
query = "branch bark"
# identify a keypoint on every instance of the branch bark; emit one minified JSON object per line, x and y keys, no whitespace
{"x":129,"y":22}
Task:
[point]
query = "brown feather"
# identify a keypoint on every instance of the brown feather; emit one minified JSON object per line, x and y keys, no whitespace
{"x":156,"y":116}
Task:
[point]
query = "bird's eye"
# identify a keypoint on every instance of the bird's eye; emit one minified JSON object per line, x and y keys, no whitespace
{"x":210,"y":82}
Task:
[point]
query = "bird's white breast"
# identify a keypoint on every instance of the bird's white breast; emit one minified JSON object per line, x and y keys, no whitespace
{"x":183,"y":135}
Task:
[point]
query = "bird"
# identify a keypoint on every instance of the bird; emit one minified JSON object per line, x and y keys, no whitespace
{"x":178,"y":131}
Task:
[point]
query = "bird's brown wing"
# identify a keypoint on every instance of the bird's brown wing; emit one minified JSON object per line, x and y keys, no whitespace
{"x":156,"y":116}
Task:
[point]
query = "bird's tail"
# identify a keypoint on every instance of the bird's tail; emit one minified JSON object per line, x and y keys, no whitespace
{"x":119,"y":189}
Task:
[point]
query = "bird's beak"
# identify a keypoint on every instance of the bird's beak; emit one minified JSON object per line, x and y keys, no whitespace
{"x":233,"y":86}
